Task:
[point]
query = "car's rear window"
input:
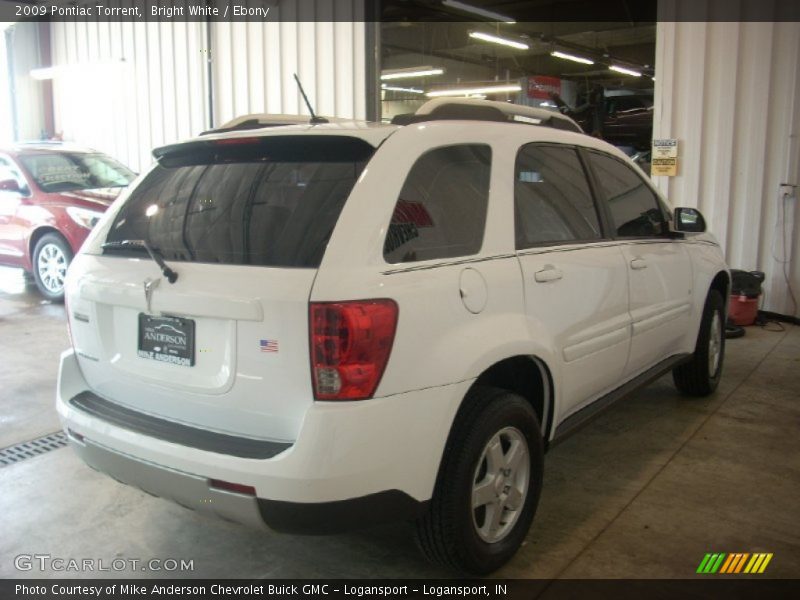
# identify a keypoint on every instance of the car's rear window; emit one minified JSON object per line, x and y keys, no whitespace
{"x":270,"y":201}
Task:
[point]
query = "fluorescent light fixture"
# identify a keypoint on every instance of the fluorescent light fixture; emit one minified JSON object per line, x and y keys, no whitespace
{"x":524,"y":119}
{"x":572,"y":57}
{"x":625,"y":71}
{"x":478,"y":11}
{"x":426,"y":71}
{"x":491,"y":89}
{"x":85,"y":69}
{"x":44,"y":73}
{"x":392,"y":88}
{"x":495,"y":39}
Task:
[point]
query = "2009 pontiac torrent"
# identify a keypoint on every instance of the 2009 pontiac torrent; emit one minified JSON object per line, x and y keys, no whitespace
{"x":321,"y":327}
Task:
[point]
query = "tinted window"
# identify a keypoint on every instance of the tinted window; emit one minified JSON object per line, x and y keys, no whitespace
{"x":272,"y":202}
{"x":66,"y":171}
{"x":441,"y":211}
{"x":552,"y":200}
{"x":635,"y":209}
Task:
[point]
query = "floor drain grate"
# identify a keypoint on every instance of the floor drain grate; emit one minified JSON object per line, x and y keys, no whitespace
{"x":26,"y":450}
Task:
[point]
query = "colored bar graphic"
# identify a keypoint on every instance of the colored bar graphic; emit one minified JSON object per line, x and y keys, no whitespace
{"x":740,"y":564}
{"x":727,"y":564}
{"x":734,"y":563}
{"x":718,"y":563}
{"x":711,"y":563}
{"x":703,"y":563}
{"x":755,"y":561}
{"x":730,"y":564}
{"x":764,"y":564}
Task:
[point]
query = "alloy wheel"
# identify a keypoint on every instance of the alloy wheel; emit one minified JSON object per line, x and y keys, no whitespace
{"x":52,"y":268}
{"x":500,"y":485}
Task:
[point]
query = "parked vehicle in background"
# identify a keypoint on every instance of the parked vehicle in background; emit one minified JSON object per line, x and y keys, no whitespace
{"x":619,"y":120}
{"x":51,"y":195}
{"x":322,"y":328}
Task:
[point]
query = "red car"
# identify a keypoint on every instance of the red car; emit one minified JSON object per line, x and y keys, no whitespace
{"x":51,"y":195}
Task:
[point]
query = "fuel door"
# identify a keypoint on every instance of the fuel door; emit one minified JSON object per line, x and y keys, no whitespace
{"x":473,"y":290}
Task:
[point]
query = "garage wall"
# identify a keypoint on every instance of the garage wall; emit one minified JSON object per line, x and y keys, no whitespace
{"x":126,"y":88}
{"x":730,"y":93}
{"x":6,"y":88}
{"x":22,"y":39}
{"x":254,"y":63}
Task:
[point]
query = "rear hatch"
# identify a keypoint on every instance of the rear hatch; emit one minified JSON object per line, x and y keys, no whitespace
{"x":244,"y":223}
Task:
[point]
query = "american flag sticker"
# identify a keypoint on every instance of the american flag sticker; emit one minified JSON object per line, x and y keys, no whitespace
{"x":268,"y":345}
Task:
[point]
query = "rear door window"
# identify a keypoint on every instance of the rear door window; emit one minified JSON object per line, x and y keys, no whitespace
{"x":552,"y":199}
{"x":270,"y":201}
{"x":635,"y":209}
{"x":441,"y":210}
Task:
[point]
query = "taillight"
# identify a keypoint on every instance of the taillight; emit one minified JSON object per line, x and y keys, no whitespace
{"x":350,"y":346}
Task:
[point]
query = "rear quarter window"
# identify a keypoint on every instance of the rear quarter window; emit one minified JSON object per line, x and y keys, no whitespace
{"x":441,"y":210}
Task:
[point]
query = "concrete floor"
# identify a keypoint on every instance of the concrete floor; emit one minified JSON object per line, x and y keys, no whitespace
{"x":644,"y":491}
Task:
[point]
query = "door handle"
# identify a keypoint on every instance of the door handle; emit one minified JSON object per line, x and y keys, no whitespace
{"x":638,"y":263}
{"x":549,"y":273}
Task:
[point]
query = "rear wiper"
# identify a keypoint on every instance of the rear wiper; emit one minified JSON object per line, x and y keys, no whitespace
{"x":154,"y":253}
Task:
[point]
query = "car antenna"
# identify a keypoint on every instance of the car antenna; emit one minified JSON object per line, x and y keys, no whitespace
{"x":315,"y":120}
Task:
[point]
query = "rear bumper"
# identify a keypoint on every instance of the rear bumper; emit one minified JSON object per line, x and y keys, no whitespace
{"x":195,"y":492}
{"x":353,"y":464}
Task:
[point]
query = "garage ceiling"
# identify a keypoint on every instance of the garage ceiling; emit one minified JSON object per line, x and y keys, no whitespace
{"x":438,"y":32}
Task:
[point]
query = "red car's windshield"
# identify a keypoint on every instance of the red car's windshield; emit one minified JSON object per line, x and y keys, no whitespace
{"x":65,"y":171}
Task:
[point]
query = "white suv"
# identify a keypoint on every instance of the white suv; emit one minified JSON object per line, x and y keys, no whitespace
{"x":316,"y":328}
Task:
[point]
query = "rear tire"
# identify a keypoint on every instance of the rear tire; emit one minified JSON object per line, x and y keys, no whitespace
{"x":51,"y":258}
{"x":488,"y":485}
{"x":700,"y":376}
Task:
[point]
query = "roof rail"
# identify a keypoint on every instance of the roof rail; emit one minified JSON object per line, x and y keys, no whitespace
{"x":443,"y":109}
{"x":262,"y":121}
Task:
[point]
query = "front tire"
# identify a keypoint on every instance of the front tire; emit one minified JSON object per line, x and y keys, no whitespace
{"x":700,"y":376}
{"x":51,"y":258}
{"x":488,"y":486}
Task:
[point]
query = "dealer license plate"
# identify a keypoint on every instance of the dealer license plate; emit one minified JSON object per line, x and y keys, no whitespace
{"x":167,"y":339}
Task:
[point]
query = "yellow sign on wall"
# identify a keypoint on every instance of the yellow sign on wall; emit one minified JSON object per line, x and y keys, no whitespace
{"x":664,"y":157}
{"x":664,"y":166}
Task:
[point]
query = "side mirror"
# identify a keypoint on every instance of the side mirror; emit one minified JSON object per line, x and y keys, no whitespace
{"x":689,"y":220}
{"x":9,"y":185}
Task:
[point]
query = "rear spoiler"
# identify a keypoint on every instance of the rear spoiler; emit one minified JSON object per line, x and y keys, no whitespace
{"x":279,"y":148}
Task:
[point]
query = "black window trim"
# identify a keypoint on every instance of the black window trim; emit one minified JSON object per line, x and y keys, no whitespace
{"x":665,"y":235}
{"x":445,"y":261}
{"x":598,"y":206}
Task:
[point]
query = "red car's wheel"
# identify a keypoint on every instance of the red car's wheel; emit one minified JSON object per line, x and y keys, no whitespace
{"x":51,"y":258}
